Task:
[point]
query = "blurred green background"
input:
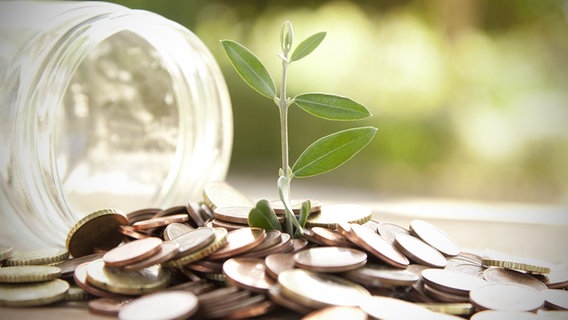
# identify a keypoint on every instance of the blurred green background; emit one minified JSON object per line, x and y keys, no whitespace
{"x":470,"y":97}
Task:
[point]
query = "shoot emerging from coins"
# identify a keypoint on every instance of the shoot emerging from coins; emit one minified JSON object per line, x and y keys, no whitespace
{"x":323,"y":155}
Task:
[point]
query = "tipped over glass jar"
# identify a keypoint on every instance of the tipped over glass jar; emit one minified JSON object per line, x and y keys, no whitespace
{"x":102,"y":106}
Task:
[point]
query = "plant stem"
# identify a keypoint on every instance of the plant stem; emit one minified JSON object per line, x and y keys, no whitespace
{"x":283,"y":105}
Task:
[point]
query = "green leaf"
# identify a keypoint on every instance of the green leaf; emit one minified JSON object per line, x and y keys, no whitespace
{"x":331,"y":107}
{"x":305,"y":212}
{"x":307,"y":46}
{"x":249,"y":67}
{"x":331,"y":151}
{"x":263,"y":216}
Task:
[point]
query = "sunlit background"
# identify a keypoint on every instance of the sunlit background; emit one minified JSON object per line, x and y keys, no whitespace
{"x":470,"y":97}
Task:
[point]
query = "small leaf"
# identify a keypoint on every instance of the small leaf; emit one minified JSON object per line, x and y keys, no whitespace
{"x":263,"y":216}
{"x":331,"y":107}
{"x":305,"y":212}
{"x":249,"y":67}
{"x":331,"y":151}
{"x":307,"y":46}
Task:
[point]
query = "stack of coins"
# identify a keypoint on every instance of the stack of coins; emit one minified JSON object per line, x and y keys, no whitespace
{"x":203,"y":260}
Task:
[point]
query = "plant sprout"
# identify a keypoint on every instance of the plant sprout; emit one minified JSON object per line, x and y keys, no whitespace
{"x":323,"y":155}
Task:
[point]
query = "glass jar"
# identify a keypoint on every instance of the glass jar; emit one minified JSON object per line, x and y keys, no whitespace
{"x":102,"y":106}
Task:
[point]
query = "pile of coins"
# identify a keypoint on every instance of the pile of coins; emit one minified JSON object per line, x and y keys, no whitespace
{"x":202,"y":260}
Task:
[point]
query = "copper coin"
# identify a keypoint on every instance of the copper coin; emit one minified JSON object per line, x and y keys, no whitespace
{"x":330,"y":259}
{"x":107,"y":306}
{"x":557,"y":279}
{"x":253,"y":310}
{"x":298,"y":244}
{"x":99,"y":229}
{"x":334,"y":313}
{"x":276,"y":295}
{"x":375,"y":275}
{"x":232,"y":214}
{"x":141,"y":214}
{"x":217,"y":296}
{"x":373,"y":224}
{"x":391,"y":308}
{"x":443,"y":296}
{"x":167,"y":305}
{"x":556,"y":299}
{"x":194,"y":211}
{"x":452,"y":281}
{"x":232,"y":310}
{"x":194,"y":240}
{"x":68,"y":266}
{"x":286,"y":245}
{"x":160,"y":222}
{"x":174,"y":230}
{"x":296,"y":206}
{"x":278,"y":262}
{"x":130,"y":232}
{"x":377,"y":246}
{"x":273,"y":237}
{"x":239,"y":241}
{"x":420,"y":252}
{"x":331,"y":215}
{"x":389,"y":231}
{"x":168,"y":250}
{"x":80,"y":277}
{"x":221,"y":194}
{"x":206,"y":212}
{"x":330,"y":237}
{"x":248,"y":273}
{"x":435,"y":237}
{"x":498,"y":274}
{"x":132,"y":252}
{"x":506,"y":297}
{"x":170,"y":211}
{"x":230,"y":226}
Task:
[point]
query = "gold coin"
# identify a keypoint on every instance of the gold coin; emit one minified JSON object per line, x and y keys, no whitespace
{"x":127,"y":282}
{"x":239,"y":241}
{"x":219,"y":241}
{"x":132,"y":252}
{"x":331,"y":215}
{"x":161,"y":305}
{"x":248,"y":273}
{"x":320,"y":290}
{"x":506,"y":297}
{"x":220,"y":194}
{"x":23,"y":274}
{"x":5,"y":252}
{"x":76,"y":293}
{"x":460,"y":309}
{"x":33,"y":294}
{"x":369,"y":240}
{"x":37,"y":257}
{"x":99,"y":229}
{"x":391,"y":308}
{"x":419,"y":251}
{"x":330,"y":259}
{"x":435,"y":237}
{"x":516,"y":265}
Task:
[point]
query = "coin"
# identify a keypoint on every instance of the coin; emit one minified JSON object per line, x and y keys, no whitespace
{"x":435,"y":237}
{"x":165,"y":305}
{"x":496,"y":259}
{"x":219,"y":241}
{"x":555,"y":299}
{"x":174,"y":230}
{"x":108,"y":306}
{"x":273,"y":237}
{"x":286,"y":245}
{"x":194,"y":211}
{"x":451,"y":281}
{"x":76,"y":293}
{"x":232,"y":214}
{"x":333,"y":313}
{"x":168,"y":250}
{"x":216,"y":223}
{"x":389,"y":231}
{"x":320,"y":290}
{"x":175,"y":210}
{"x":239,"y":241}
{"x":504,"y":315}
{"x":330,"y":259}
{"x":24,"y":274}
{"x":278,"y":262}
{"x":506,"y":297}
{"x":462,"y":309}
{"x":443,"y":296}
{"x":329,"y":237}
{"x":376,"y":275}
{"x":296,"y":206}
{"x":557,"y":279}
{"x":247,"y":273}
{"x":130,"y":232}
{"x":232,"y":310}
{"x":68,"y":266}
{"x":127,"y":282}
{"x":221,"y":194}
{"x":141,"y":214}
{"x":132,"y":252}
{"x":194,"y":240}
{"x":33,"y":294}
{"x":391,"y":308}
{"x":253,"y":310}
{"x":377,"y":246}
{"x":275,"y":295}
{"x":37,"y":256}
{"x":329,"y":216}
{"x":420,"y":252}
{"x":160,"y":222}
{"x":5,"y":252}
{"x":80,"y":277}
{"x":498,"y":274}
{"x":99,"y":229}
